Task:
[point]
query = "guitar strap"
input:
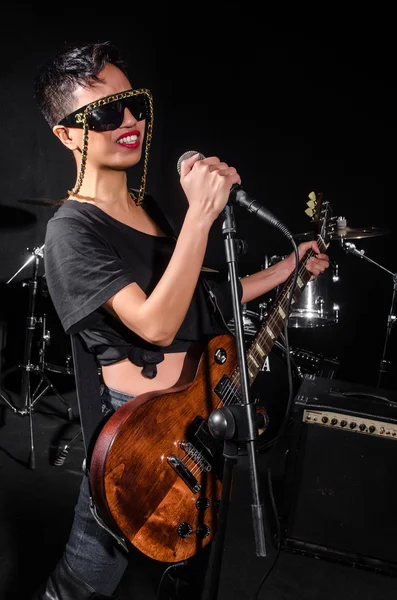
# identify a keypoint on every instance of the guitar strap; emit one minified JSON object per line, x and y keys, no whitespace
{"x":88,"y":386}
{"x":87,"y":392}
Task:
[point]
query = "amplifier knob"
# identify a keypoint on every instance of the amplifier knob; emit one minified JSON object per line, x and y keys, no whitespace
{"x":353,"y":425}
{"x":334,"y":421}
{"x":362,"y":427}
{"x":325,"y":419}
{"x":343,"y":423}
{"x":371,"y":428}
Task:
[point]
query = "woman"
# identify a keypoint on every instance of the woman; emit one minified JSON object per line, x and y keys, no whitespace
{"x":116,"y":272}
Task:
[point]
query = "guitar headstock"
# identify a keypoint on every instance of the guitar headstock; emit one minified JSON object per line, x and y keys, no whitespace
{"x":320,"y":212}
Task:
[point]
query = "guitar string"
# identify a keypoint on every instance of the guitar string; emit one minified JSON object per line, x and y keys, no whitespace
{"x":232,"y":387}
{"x":273,"y":320}
{"x":270,"y":322}
{"x":232,"y":392}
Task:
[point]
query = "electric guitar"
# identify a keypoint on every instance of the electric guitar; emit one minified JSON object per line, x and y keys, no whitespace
{"x":156,"y":470}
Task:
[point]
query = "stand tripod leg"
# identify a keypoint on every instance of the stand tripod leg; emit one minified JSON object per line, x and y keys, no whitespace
{"x":216,"y":561}
{"x":32,"y":453}
{"x":59,"y":396}
{"x":31,"y":400}
{"x":6,"y":400}
{"x":49,"y":386}
{"x":391,"y":319}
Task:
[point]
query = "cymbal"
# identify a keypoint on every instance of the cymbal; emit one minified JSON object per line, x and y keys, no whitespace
{"x":346,"y":233}
{"x":357,"y":233}
{"x":15,"y":218}
{"x":41,"y":202}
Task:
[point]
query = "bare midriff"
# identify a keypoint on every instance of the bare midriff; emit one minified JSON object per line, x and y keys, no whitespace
{"x":126,"y":377}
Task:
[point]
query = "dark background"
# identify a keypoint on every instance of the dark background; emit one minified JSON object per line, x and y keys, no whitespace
{"x":294,"y":107}
{"x":297,"y":102}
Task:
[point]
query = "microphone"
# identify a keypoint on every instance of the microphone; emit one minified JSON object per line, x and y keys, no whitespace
{"x":240,"y":197}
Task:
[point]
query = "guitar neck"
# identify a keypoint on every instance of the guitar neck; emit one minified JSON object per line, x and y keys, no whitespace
{"x":271,"y":327}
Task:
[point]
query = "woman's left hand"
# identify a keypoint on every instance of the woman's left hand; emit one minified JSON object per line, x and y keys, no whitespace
{"x":315,"y":265}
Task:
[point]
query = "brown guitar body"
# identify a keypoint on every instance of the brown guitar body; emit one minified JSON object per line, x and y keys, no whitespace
{"x":156,"y":470}
{"x":133,"y":484}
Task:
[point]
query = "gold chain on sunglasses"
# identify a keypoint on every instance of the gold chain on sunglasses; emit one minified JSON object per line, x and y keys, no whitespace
{"x":83,"y":118}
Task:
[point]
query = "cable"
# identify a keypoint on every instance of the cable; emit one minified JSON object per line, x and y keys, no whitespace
{"x":284,"y":422}
{"x":62,"y":454}
{"x":183,"y":563}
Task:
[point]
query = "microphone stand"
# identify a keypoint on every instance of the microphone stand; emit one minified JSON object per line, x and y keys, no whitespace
{"x":391,"y":319}
{"x":235,"y":424}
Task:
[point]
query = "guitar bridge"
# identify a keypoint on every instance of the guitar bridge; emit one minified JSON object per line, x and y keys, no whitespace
{"x":196,"y":455}
{"x":183,"y":472}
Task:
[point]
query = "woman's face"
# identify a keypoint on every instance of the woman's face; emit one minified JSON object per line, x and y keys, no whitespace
{"x":118,"y":149}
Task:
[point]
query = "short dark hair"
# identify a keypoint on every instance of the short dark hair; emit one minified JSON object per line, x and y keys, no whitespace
{"x":57,"y":79}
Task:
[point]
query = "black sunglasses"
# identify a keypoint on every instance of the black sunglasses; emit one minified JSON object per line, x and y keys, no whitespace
{"x":110,"y":115}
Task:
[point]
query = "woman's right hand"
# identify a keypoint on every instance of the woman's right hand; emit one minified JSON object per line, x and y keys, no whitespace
{"x":207,"y":184}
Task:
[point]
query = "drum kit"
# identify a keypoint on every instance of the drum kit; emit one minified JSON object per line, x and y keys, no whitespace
{"x":35,"y":381}
{"x":314,"y":310}
{"x":317,"y":306}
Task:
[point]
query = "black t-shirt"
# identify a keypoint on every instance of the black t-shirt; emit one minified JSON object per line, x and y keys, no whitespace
{"x":89,"y":256}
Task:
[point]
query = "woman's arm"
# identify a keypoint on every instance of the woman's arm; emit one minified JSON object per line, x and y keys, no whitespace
{"x":157,"y":317}
{"x":263,"y":281}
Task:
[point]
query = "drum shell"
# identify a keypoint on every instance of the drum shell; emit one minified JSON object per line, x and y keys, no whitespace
{"x":316,"y":306}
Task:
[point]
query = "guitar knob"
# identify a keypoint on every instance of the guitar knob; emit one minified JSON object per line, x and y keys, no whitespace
{"x":202,"y":503}
{"x":202,"y":531}
{"x":184,"y":529}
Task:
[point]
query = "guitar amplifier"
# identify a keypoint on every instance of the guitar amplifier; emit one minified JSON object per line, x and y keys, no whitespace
{"x":338,"y":494}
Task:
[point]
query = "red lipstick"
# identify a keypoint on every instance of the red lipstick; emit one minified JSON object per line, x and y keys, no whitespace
{"x":130,"y":139}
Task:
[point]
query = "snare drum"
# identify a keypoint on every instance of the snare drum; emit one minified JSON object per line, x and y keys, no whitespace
{"x":316,"y":306}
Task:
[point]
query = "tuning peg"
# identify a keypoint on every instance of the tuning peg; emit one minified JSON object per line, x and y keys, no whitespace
{"x":309,"y":212}
{"x":311,"y":204}
{"x":312,"y":196}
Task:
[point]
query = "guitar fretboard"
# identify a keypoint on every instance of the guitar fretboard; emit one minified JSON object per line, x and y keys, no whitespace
{"x":271,"y":327}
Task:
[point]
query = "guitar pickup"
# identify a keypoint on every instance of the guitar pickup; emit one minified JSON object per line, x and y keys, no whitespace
{"x":183,"y":472}
{"x":222,"y":386}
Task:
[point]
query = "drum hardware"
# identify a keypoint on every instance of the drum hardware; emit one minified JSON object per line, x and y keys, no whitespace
{"x":391,"y":318}
{"x":263,"y":310}
{"x":45,"y":341}
{"x":250,"y":320}
{"x":311,"y":363}
{"x":30,"y":398}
